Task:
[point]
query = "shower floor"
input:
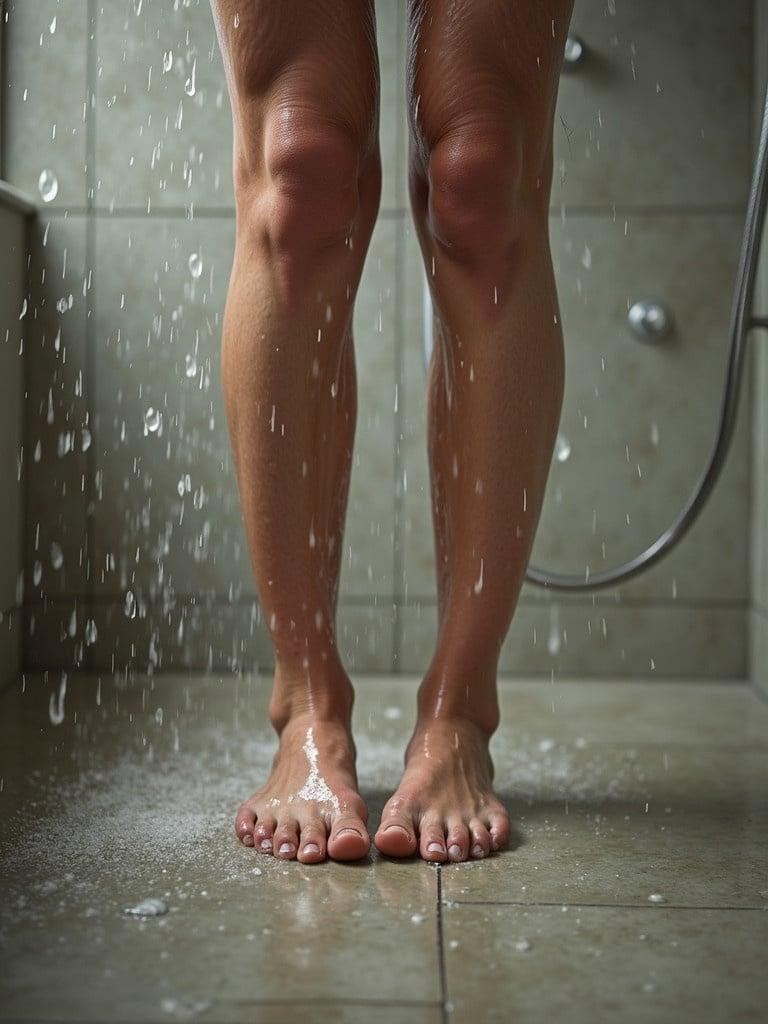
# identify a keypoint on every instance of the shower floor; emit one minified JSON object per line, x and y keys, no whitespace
{"x":619,"y":791}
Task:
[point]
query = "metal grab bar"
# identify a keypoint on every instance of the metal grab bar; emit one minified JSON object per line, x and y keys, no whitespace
{"x":741,"y":321}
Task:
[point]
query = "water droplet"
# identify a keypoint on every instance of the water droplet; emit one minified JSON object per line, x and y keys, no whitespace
{"x":37,"y":573}
{"x":57,"y":556}
{"x":56,"y":703}
{"x":523,"y":946}
{"x":152,"y":420}
{"x":130,"y":605}
{"x":393,"y":713}
{"x":189,"y":86}
{"x":195,"y":265}
{"x":85,"y":440}
{"x":23,"y":312}
{"x":562,"y":448}
{"x":236,"y":20}
{"x":48,"y":186}
{"x":38,"y":454}
{"x":656,"y":897}
{"x":586,"y":258}
{"x":190,"y":365}
{"x":91,"y":633}
{"x":167,"y":60}
{"x":150,"y":907}
{"x":52,"y":26}
{"x":417,"y":918}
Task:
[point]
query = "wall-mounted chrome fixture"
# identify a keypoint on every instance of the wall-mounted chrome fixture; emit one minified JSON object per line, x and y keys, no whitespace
{"x":649,"y":319}
{"x":574,"y":53}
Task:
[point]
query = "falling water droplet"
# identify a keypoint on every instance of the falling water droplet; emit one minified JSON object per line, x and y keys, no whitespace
{"x":57,"y":556}
{"x":190,"y":365}
{"x":52,"y":26}
{"x":23,"y":312}
{"x":152,"y":420}
{"x":37,"y":573}
{"x":91,"y":633}
{"x":56,"y":703}
{"x":656,"y":897}
{"x":586,"y":258}
{"x":48,"y":185}
{"x":654,"y":433}
{"x":236,"y":20}
{"x":130,"y":605}
{"x":554,"y":639}
{"x":523,"y":946}
{"x":189,"y":85}
{"x":167,"y":60}
{"x":195,"y":265}
{"x":562,"y":448}
{"x":85,"y":439}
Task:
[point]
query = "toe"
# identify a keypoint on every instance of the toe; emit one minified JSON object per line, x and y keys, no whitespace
{"x":312,"y":843}
{"x":432,"y":841}
{"x":480,"y":840}
{"x":263,"y":835}
{"x":396,"y":836}
{"x":498,"y":825}
{"x":349,"y":839}
{"x":286,"y":839}
{"x":244,"y":823}
{"x":457,"y":840}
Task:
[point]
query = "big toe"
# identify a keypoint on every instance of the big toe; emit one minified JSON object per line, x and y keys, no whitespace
{"x":349,"y":839}
{"x":396,"y":836}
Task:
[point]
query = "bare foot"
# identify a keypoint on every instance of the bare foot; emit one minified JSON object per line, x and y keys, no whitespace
{"x":310,"y":806}
{"x":445,"y":805}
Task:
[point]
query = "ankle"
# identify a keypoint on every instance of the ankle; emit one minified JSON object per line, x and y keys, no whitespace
{"x":318,"y":698}
{"x":444,"y":697}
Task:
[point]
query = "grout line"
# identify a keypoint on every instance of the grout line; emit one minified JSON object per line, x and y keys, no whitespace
{"x":394,"y":212}
{"x":90,"y":313}
{"x":441,"y":946}
{"x":384,"y":601}
{"x":600,"y":906}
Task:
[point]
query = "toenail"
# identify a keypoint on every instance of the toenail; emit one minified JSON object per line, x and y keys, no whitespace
{"x":285,"y":848}
{"x":435,"y":848}
{"x":494,"y":843}
{"x":478,"y":851}
{"x":311,"y":848}
{"x":247,"y":840}
{"x":401,"y":827}
{"x":266,"y":844}
{"x":454,"y":851}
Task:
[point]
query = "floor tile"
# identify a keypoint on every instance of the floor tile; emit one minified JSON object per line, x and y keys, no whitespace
{"x":586,"y":964}
{"x":132,"y":796}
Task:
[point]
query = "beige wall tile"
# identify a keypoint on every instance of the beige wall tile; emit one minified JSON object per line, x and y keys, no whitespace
{"x":657,"y":112}
{"x":155,"y":144}
{"x":45,"y":96}
{"x":367,"y":564}
{"x":577,"y":639}
{"x":58,"y":417}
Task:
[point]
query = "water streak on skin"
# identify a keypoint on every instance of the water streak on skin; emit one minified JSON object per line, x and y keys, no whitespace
{"x":316,"y":788}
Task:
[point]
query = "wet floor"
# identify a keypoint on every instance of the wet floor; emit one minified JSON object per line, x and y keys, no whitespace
{"x":636,"y":889}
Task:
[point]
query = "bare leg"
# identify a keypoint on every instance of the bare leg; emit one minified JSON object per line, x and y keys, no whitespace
{"x":483,"y":82}
{"x":303,"y":84}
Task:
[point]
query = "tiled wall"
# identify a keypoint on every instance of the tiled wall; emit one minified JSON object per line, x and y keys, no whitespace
{"x":135,"y":552}
{"x":13,"y":231}
{"x":759,"y":342}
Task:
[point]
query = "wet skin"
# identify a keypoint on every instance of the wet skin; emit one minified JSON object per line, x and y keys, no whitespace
{"x":303,"y":82}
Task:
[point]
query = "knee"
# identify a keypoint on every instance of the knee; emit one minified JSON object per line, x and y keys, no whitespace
{"x":485,"y":189}
{"x":301,"y":191}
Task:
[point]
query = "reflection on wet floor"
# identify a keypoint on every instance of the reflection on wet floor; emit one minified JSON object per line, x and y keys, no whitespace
{"x":635,"y":889}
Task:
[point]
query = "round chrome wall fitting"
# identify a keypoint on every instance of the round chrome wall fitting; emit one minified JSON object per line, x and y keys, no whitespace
{"x":649,"y":319}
